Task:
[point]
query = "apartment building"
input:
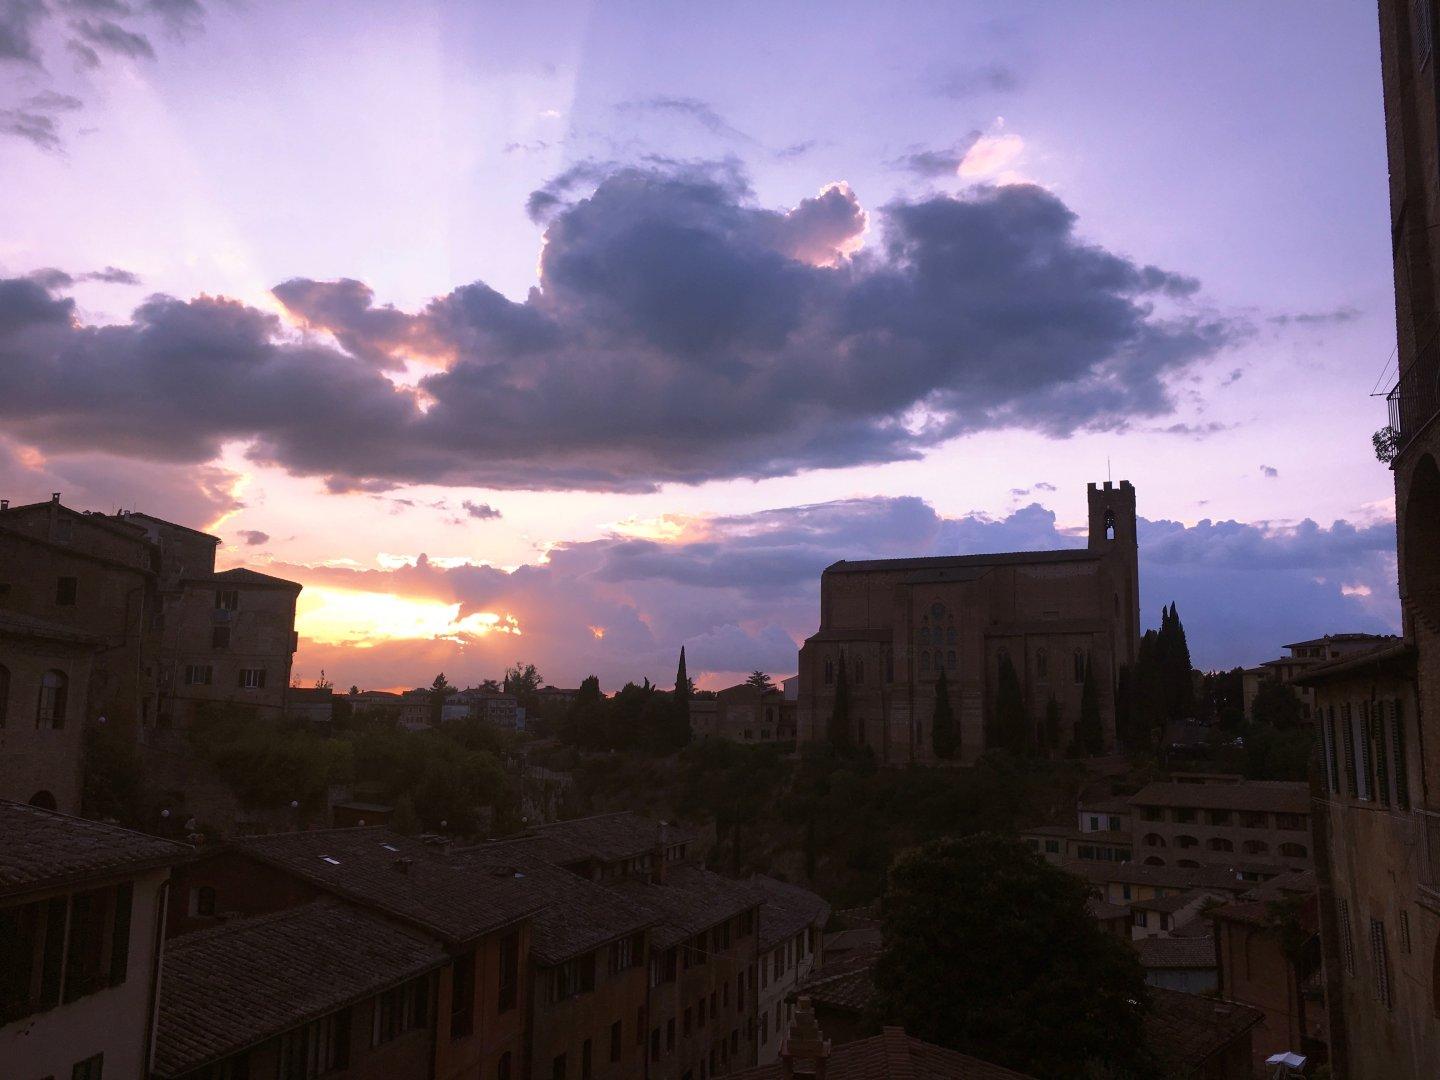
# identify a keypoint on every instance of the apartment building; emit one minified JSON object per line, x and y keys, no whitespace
{"x":1254,"y":826}
{"x":792,"y":926}
{"x":81,"y":910}
{"x":1302,"y":656}
{"x":326,"y":988}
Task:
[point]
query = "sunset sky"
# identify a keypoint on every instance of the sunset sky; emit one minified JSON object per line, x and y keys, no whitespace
{"x":576,"y":332}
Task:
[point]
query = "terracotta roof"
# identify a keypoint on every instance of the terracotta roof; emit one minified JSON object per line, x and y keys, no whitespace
{"x":1291,"y":883}
{"x":691,"y":900}
{"x":124,"y":515}
{"x":894,"y":1055}
{"x":1106,"y":804}
{"x":963,"y":562}
{"x":15,"y":624}
{"x":865,"y":938}
{"x":573,"y":914}
{"x":41,"y":849}
{"x":1339,"y":638}
{"x":407,"y":878}
{"x":1186,"y":1030}
{"x":236,"y":985}
{"x":787,"y":910}
{"x":1100,"y":909}
{"x":609,"y":837}
{"x":1176,"y":952}
{"x":1277,"y":796}
{"x":1396,"y":652}
{"x":1173,"y":901}
{"x":846,"y":984}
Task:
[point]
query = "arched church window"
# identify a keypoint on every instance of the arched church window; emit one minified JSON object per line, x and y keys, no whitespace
{"x":924,"y":635}
{"x":950,"y":635}
{"x":924,"y":659}
{"x":1109,"y":524}
{"x":937,"y":609}
{"x":950,"y":660}
{"x":829,"y":672}
{"x":1079,"y":665}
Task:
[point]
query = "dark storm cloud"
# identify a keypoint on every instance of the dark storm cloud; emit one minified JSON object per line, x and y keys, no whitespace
{"x":678,"y":334}
{"x":482,"y":511}
{"x":745,"y":591}
{"x":19,"y":19}
{"x":110,"y":36}
{"x":928,"y":162}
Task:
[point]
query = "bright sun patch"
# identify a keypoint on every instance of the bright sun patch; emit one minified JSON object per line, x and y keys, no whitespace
{"x":343,"y":616}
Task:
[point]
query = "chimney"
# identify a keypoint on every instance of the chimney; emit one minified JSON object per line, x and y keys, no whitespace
{"x":657,"y":868}
{"x":805,"y":1051}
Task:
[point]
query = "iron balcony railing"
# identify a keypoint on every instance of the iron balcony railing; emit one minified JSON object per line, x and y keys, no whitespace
{"x":1416,"y":396}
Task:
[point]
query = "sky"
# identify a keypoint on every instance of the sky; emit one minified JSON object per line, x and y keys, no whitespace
{"x":575,"y":333}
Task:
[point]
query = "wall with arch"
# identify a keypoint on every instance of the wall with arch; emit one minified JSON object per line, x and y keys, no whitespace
{"x":43,"y":682}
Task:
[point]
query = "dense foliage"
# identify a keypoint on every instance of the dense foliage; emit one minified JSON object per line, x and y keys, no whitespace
{"x":991,"y":951}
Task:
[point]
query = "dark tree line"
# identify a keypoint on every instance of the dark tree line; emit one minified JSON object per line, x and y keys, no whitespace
{"x":642,"y":717}
{"x":1158,"y":688}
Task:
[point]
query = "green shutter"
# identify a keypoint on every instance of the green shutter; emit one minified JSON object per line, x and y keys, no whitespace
{"x":120,"y":933}
{"x":1397,"y":734}
{"x":1382,"y":765}
{"x":1347,"y":733}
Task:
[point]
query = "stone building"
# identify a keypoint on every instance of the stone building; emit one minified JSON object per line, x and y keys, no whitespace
{"x":1379,"y":867}
{"x":744,"y":713}
{"x":792,"y":922}
{"x":1303,"y":656}
{"x":1256,"y":827}
{"x":896,"y":624}
{"x":94,"y":576}
{"x":81,"y":907}
{"x":44,"y":678}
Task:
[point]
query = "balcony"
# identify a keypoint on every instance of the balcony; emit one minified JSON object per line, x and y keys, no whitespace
{"x":1415,"y":399}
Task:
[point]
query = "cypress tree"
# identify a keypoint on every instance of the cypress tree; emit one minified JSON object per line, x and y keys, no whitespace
{"x":1178,"y":671}
{"x":1124,"y":707}
{"x":1091,"y":733}
{"x":1010,"y":722}
{"x":682,"y":680}
{"x":840,"y":713}
{"x":1052,"y":723}
{"x":944,"y":739}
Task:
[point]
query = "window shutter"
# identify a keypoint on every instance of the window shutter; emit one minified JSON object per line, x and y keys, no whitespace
{"x":55,"y":912}
{"x":260,"y":679}
{"x":240,"y":679}
{"x":1397,"y":734}
{"x":1347,"y":733}
{"x":1332,"y":752}
{"x":1382,"y":756}
{"x":120,"y":933}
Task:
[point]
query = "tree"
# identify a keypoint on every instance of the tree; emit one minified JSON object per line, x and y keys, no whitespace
{"x":322,"y":683}
{"x":760,"y":681}
{"x":1009,"y":725}
{"x":1033,"y":983}
{"x":114,"y":776}
{"x":1052,"y":723}
{"x":684,"y":685}
{"x":354,"y":690}
{"x":440,"y":689}
{"x":840,"y":710}
{"x":1091,"y":733}
{"x":1277,"y":704}
{"x":584,"y":723}
{"x":944,"y":739}
{"x":1124,"y":703}
{"x":523,"y":680}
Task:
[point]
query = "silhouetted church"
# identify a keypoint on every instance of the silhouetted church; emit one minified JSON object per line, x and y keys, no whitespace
{"x":899,"y":622}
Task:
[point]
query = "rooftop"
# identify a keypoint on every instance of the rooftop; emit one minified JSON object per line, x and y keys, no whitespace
{"x":1398,"y":653}
{"x":690,"y":901}
{"x":893,"y":1055}
{"x":408,"y":878}
{"x":1337,"y":639}
{"x":1165,"y":877}
{"x":1276,"y":796}
{"x":1101,"y":909}
{"x":44,"y":849}
{"x":1174,"y":901}
{"x":243,"y":575}
{"x":963,"y":562}
{"x":1186,"y":1030}
{"x":786,"y":910}
{"x":846,"y":985}
{"x":230,"y":987}
{"x":611,"y":837}
{"x":573,"y":914}
{"x":1176,"y":952}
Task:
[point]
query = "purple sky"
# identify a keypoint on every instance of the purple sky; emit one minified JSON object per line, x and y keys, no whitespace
{"x":630,"y":320}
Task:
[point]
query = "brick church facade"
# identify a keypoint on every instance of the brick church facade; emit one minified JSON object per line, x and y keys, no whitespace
{"x":896,"y":623}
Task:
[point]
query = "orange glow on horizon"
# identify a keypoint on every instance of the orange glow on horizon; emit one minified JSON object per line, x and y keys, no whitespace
{"x":331,"y":616}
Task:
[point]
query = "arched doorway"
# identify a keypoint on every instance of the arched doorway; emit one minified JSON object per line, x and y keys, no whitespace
{"x":44,"y":800}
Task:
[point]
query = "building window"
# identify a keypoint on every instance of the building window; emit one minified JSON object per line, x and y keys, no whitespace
{"x":462,"y":996}
{"x":1256,"y":847}
{"x":1381,"y":961}
{"x":401,"y":1009}
{"x":51,"y":711}
{"x":557,"y":1067}
{"x":502,"y":1071}
{"x":199,"y":674}
{"x":1186,"y":842}
{"x":587,"y":1063}
{"x":950,"y":636}
{"x":1294,"y":851}
{"x":1217,"y":817}
{"x":92,"y":1068}
{"x":509,"y":972}
{"x":1347,"y":946}
{"x":923,"y":636}
{"x":615,"y":1037}
{"x":1397,"y":745}
{"x":1291,"y":822}
{"x":1332,"y":762}
{"x":950,"y":660}
{"x":219,"y":637}
{"x":319,"y":1047}
{"x":829,"y":671}
{"x":1079,"y":666}
{"x":1405,"y":943}
{"x":1347,"y":734}
{"x":670,"y":1035}
{"x":1219,"y":843}
{"x":573,"y":977}
{"x":1042,"y":665}
{"x":227,"y":599}
{"x":205,"y":901}
{"x":252,"y":679}
{"x":925,"y":660}
{"x":65,"y":591}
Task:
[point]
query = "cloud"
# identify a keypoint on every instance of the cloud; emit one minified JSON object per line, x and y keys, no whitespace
{"x":181,"y":17}
{"x":482,"y":511}
{"x":678,"y":334}
{"x":1043,"y":485}
{"x":51,"y":101}
{"x":742,"y":591}
{"x":1343,"y":314}
{"x":928,"y":163}
{"x":701,"y":112}
{"x":110,"y":36}
{"x":1194,"y":431}
{"x":1270,"y":471}
{"x":990,"y":155}
{"x":961,"y":83}
{"x":253,"y":537}
{"x":19,"y":20}
{"x":37,"y":128}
